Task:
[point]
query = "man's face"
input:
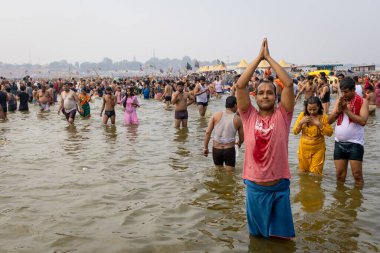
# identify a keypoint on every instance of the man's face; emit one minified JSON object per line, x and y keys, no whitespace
{"x":180,"y":88}
{"x":347,"y":94}
{"x":66,"y":87}
{"x":266,"y":97}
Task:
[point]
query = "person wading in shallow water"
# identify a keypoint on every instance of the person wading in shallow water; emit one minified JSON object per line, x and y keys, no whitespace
{"x":226,"y":124}
{"x":109,"y":102}
{"x":69,"y":103}
{"x":266,"y":135}
{"x":351,"y":114}
{"x":181,"y":99}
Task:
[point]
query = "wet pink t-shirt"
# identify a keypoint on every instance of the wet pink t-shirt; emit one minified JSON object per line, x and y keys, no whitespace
{"x":266,"y":144}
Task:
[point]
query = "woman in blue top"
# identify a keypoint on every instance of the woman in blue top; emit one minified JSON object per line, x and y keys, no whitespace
{"x":146,"y":91}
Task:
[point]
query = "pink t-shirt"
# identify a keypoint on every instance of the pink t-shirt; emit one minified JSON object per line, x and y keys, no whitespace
{"x":266,"y":144}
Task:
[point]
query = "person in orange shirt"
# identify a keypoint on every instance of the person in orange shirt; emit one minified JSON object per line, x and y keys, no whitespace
{"x":85,"y":99}
{"x":279,"y":87}
{"x":313,"y":123}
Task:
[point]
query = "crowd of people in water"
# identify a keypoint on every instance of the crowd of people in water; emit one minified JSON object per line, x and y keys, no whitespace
{"x":264,"y":129}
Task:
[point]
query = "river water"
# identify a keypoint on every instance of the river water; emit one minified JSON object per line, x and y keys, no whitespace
{"x":94,"y":188}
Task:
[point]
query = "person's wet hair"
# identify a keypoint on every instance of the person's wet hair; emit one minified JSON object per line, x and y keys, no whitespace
{"x":230,"y":101}
{"x":324,"y":79}
{"x":347,"y":83}
{"x":313,"y":100}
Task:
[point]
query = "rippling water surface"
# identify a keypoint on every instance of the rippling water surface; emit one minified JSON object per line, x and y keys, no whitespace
{"x":95,"y":188}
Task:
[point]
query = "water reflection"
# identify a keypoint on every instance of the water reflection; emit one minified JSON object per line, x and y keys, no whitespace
{"x":334,"y":228}
{"x":181,"y":135}
{"x":132,"y":133}
{"x":258,"y":245}
{"x":224,"y":183}
{"x":110,"y":133}
{"x":310,"y":195}
{"x":73,"y":142}
{"x":43,"y":116}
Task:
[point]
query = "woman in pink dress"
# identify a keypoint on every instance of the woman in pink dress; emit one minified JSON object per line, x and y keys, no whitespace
{"x":130,"y":103}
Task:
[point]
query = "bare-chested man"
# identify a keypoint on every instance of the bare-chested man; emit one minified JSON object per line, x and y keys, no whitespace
{"x":181,"y":99}
{"x":44,"y":99}
{"x":309,"y":89}
{"x":51,"y":91}
{"x":109,"y":102}
{"x":69,"y":103}
{"x":371,"y":97}
{"x":167,"y":96}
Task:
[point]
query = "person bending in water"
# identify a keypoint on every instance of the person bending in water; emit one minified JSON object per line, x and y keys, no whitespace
{"x":226,"y":124}
{"x":266,"y":170}
{"x":181,"y":99}
{"x":69,"y":104}
{"x":313,"y":123}
{"x":109,"y":102}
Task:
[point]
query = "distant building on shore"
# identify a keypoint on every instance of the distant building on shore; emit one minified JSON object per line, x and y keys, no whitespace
{"x":364,"y":68}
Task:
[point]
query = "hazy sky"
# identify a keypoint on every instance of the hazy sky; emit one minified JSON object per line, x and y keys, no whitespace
{"x":299,"y":31}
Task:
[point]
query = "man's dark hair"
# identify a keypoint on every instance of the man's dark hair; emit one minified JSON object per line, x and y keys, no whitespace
{"x":270,"y":78}
{"x":347,"y":83}
{"x":340,"y":75}
{"x":324,"y":78}
{"x":180,"y":83}
{"x":230,"y":101}
{"x":22,"y":88}
{"x":370,"y":87}
{"x":323,"y":74}
{"x":356,"y":79}
{"x":310,"y":78}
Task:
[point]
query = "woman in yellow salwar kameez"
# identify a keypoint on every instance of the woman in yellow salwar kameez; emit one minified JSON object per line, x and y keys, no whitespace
{"x":314,"y":126}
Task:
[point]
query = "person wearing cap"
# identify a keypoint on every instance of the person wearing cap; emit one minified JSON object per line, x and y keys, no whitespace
{"x":226,"y":125}
{"x":266,"y":170}
{"x":181,"y":99}
{"x":109,"y":102}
